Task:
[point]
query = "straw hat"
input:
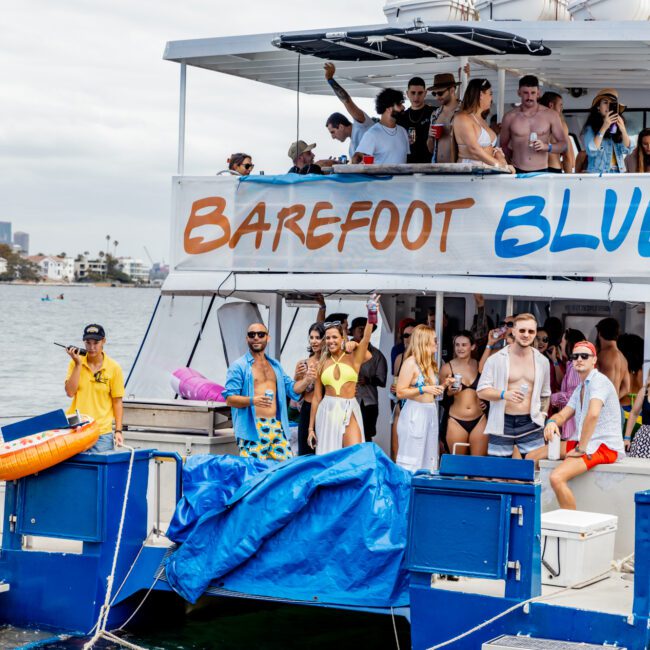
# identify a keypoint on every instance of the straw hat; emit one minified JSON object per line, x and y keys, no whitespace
{"x":608,"y":93}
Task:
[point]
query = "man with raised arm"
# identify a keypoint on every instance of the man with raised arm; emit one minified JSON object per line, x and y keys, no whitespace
{"x":416,"y":120}
{"x":386,"y":141}
{"x":441,"y":147}
{"x":597,"y":439}
{"x":611,"y":361}
{"x":517,"y":383}
{"x":338,"y":125}
{"x":527,"y":131}
{"x":256,"y":390}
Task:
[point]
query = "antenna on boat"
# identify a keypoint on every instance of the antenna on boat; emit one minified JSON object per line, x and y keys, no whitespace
{"x":298,"y":101}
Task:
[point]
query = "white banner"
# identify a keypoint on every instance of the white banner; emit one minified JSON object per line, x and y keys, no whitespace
{"x":493,"y":225}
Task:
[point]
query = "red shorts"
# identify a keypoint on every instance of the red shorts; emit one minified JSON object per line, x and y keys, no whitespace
{"x":602,"y":456}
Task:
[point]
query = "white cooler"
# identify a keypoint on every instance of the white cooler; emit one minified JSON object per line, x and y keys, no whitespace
{"x":577,"y":547}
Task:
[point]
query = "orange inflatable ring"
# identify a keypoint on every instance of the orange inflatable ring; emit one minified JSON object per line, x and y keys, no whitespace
{"x":39,"y":451}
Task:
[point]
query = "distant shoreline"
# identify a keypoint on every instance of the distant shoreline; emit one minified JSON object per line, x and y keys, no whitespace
{"x":45,"y":285}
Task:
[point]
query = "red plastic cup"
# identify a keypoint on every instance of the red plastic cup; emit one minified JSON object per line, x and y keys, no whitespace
{"x":368,"y":160}
{"x":436,"y":131}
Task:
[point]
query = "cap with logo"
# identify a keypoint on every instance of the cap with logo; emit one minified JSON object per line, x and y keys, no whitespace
{"x":94,"y":332}
{"x":299,"y":147}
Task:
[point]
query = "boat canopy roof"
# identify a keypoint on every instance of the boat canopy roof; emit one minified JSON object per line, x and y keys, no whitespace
{"x":413,"y":43}
{"x":575,"y":54}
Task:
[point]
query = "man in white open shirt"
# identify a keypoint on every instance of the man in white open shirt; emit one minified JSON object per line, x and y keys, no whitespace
{"x":386,"y":141}
{"x":516,"y":382}
{"x":598,"y":438}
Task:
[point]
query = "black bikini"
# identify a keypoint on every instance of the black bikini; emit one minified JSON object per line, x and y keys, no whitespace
{"x":468,"y":425}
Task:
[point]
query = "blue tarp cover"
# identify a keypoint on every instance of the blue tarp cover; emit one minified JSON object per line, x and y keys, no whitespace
{"x":328,"y":529}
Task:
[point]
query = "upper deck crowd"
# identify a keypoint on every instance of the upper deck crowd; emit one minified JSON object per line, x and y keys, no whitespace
{"x":532,"y":137}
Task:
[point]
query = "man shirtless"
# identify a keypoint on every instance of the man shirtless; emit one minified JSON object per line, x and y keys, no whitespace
{"x":256,"y":391}
{"x":527,"y":130}
{"x":559,"y":163}
{"x":517,"y":382}
{"x":611,"y":361}
{"x":444,"y":91}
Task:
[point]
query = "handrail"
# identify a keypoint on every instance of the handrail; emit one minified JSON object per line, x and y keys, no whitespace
{"x":168,"y":456}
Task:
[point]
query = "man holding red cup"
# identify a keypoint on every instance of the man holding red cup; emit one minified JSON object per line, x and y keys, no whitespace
{"x":440,"y":141}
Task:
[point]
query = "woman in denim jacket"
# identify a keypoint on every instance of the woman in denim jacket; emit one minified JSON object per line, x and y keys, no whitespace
{"x":607,"y":142}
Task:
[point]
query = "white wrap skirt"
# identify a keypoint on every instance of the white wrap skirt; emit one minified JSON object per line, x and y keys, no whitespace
{"x":417,"y":435}
{"x":332,"y":418}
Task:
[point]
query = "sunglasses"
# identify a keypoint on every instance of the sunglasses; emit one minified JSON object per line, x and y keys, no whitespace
{"x":543,"y":339}
{"x":527,"y":331}
{"x":507,"y":323}
{"x":580,"y":355}
{"x":248,"y":166}
{"x":406,"y":336}
{"x":99,"y":377}
{"x":439,"y":93}
{"x":332,"y":323}
{"x":259,"y":335}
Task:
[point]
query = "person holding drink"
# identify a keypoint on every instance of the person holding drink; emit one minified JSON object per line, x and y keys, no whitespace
{"x":256,"y":391}
{"x":440,"y":142}
{"x":476,"y":140}
{"x":606,"y":139}
{"x":336,"y":420}
{"x":417,"y":428}
{"x":310,"y":364}
{"x":467,"y":419}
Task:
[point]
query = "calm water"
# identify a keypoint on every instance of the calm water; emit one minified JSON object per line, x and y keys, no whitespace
{"x":32,"y":373}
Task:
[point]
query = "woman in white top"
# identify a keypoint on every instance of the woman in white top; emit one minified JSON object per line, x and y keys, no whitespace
{"x":417,"y":385}
{"x":475,"y":139}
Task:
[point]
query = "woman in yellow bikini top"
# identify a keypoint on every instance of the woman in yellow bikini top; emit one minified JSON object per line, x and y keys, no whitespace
{"x":335,"y":420}
{"x":346,"y":373}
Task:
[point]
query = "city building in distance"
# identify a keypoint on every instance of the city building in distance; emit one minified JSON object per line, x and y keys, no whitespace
{"x":21,"y":240}
{"x":5,"y":232}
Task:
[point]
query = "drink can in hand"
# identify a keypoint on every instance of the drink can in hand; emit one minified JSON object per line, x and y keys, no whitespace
{"x":458,"y":380}
{"x":532,"y":138}
{"x":269,"y":393}
{"x":554,"y":448}
{"x":368,"y":160}
{"x":372,"y":312}
{"x":523,"y":389}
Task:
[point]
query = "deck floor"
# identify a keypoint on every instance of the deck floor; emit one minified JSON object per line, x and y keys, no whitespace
{"x":613,"y":595}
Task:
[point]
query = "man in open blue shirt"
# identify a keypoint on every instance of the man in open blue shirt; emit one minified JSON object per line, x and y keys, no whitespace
{"x":256,"y":389}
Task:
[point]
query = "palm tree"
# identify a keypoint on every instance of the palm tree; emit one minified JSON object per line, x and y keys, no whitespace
{"x":115,"y":245}
{"x":108,"y":242}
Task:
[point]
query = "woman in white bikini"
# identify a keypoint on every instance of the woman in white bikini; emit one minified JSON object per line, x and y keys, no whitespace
{"x":475,"y":139}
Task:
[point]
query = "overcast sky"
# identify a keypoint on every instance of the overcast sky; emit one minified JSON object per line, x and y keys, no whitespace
{"x":90,"y":112}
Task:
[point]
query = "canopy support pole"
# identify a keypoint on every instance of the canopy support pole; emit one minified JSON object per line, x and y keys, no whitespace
{"x":440,"y":306}
{"x":275,"y":325}
{"x":646,"y":340}
{"x":464,"y":60}
{"x":501,"y":98}
{"x":510,"y":307}
{"x":180,"y":168}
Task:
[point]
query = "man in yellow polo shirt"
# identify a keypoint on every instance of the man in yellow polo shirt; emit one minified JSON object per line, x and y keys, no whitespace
{"x":96,"y":385}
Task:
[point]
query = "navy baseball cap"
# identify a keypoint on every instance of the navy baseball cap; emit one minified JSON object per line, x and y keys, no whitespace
{"x":94,"y":332}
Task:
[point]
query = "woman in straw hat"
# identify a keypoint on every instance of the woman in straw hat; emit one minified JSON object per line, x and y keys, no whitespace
{"x":606,"y":140}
